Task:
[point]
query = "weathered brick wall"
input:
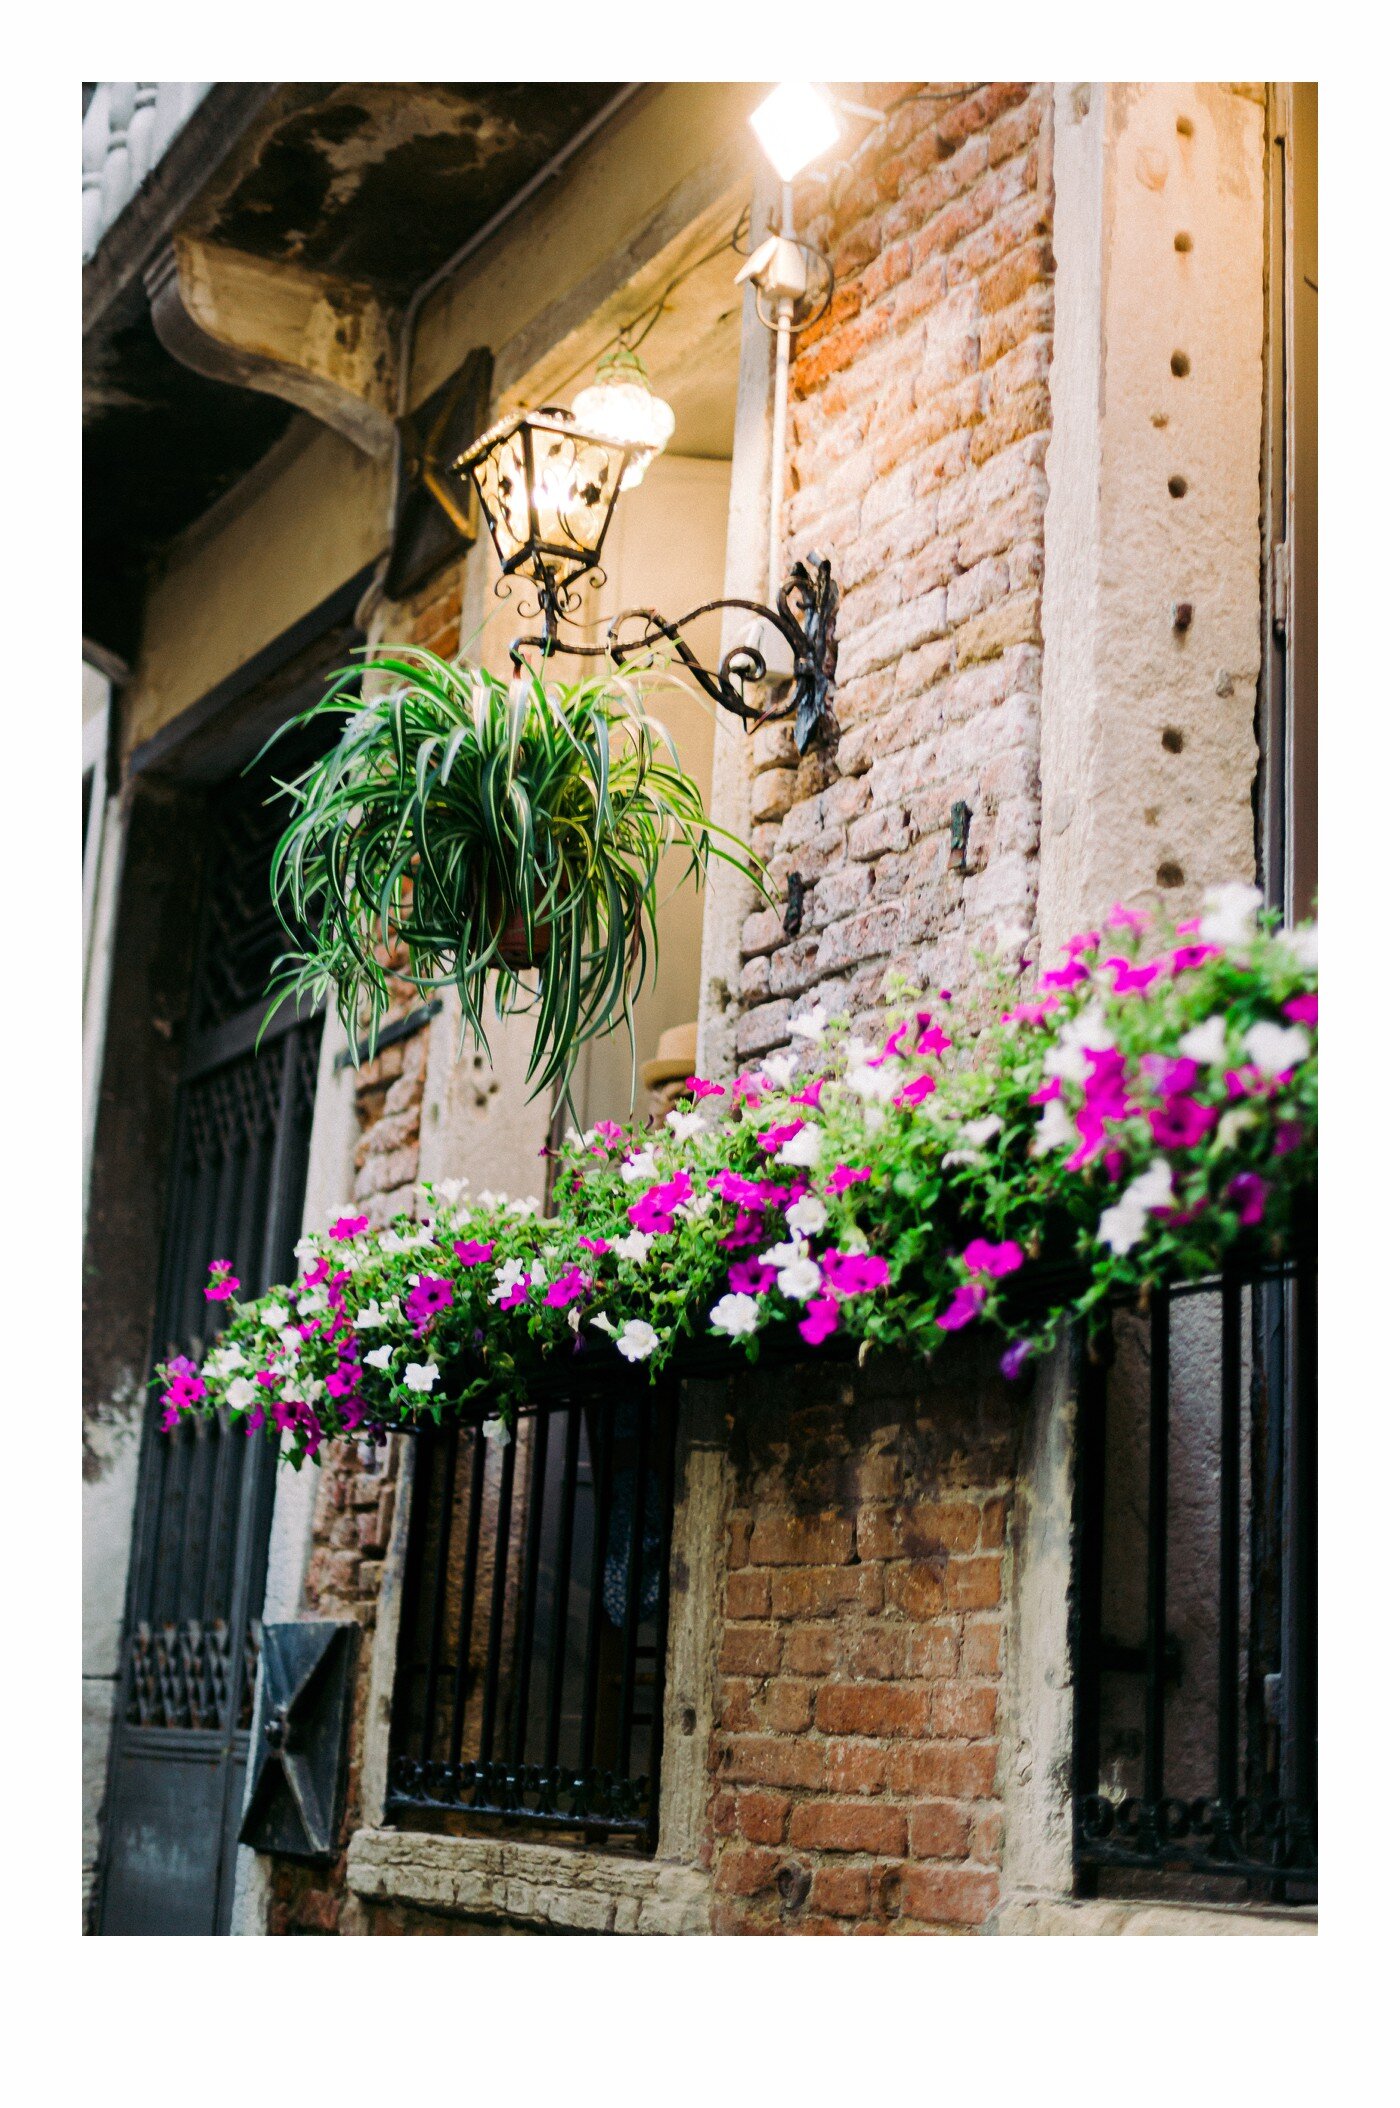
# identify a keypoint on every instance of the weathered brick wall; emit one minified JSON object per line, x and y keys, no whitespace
{"x":917,"y":463}
{"x":856,"y":1763}
{"x":355,"y":1497}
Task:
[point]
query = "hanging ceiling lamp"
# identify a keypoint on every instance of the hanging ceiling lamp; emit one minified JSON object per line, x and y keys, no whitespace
{"x":618,"y":404}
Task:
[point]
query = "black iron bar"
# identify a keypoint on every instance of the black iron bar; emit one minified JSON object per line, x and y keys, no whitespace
{"x":491,"y":1693}
{"x":449,"y":1455}
{"x":1159,"y":1401}
{"x":604,"y":1414}
{"x":1228,"y":1676}
{"x":564,"y":1555}
{"x":1298,"y":1711}
{"x":667,"y":1406}
{"x":530,"y":1583}
{"x":636,"y":1570}
{"x":1090,"y":1377}
{"x":462,"y":1680}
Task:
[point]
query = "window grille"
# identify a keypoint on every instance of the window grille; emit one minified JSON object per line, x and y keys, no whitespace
{"x":533,"y":1640}
{"x":1196,"y":1594}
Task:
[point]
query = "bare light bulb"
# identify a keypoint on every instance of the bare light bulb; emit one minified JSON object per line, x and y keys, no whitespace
{"x":794,"y":125}
{"x":619,"y":405}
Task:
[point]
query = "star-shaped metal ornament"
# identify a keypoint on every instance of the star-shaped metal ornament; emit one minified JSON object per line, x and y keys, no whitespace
{"x":297,"y":1748}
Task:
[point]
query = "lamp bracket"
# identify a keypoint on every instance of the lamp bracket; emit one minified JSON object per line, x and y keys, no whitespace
{"x":805,"y":619}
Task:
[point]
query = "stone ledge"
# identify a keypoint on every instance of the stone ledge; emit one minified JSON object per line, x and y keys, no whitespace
{"x":570,"y":1891}
{"x":1108,"y":1920}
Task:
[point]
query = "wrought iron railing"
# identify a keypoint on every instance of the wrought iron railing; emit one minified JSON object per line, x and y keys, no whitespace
{"x":1196,"y":1592}
{"x":533,"y":1632}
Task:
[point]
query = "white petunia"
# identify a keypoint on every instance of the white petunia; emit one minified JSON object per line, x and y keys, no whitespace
{"x":803,"y":1148}
{"x":508,"y":1273}
{"x":1231,"y":914}
{"x":1301,"y":943}
{"x":1069,"y":1063}
{"x":275,"y":1316}
{"x":491,"y":1200}
{"x":637,"y":1340}
{"x":800,"y":1281}
{"x":1151,"y":1188}
{"x":392,"y":1241}
{"x":370,"y":1317}
{"x":876,"y":1085}
{"x":573,"y":1138}
{"x":779,"y":1069}
{"x":1206,"y":1042}
{"x":639,"y":1166}
{"x":421,"y":1375}
{"x":980,"y":1132}
{"x":311,"y":1302}
{"x":242,"y":1393}
{"x":381,"y":1357}
{"x":784,"y":1254}
{"x":1274,"y":1048}
{"x":811,"y":1025}
{"x":528,"y":1205}
{"x":452,"y":1190}
{"x":1234,"y":1123}
{"x":573,"y":1318}
{"x":1121,"y":1227}
{"x":496,"y":1431}
{"x":291,"y":1340}
{"x":604,"y":1323}
{"x":955,"y":1157}
{"x":306,"y":1251}
{"x":735,"y":1314}
{"x":806,"y":1216}
{"x":1056,"y":1129}
{"x":685,"y":1125}
{"x":635,"y":1246}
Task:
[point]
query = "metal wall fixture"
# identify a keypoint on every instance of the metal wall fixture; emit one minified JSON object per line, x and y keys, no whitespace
{"x":548,"y":481}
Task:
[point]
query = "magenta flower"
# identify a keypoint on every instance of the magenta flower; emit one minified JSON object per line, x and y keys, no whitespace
{"x":317,"y":1274}
{"x":1121,"y":918}
{"x":655,"y":1211}
{"x":572,"y":1284}
{"x":1182,"y":1122}
{"x":916,"y":1090}
{"x":892,"y":1045}
{"x":1171,"y":1074}
{"x":1015,"y":1359}
{"x":811,"y":1097}
{"x":520,"y":1293}
{"x":823,"y":1317}
{"x":1129,"y":979}
{"x":1188,"y":957}
{"x":608,"y":1131}
{"x":472,"y":1251}
{"x":855,"y":1273}
{"x":1065,"y":976}
{"x":995,"y":1260}
{"x":933,"y":1041}
{"x":347,"y":1226}
{"x":1302,"y":1009}
{"x":1088,"y":941}
{"x":748,"y":1229}
{"x":224,"y":1283}
{"x":1288,"y":1138}
{"x":749,"y":1277}
{"x":430,"y":1294}
{"x":702,"y":1089}
{"x":750,"y":1089}
{"x":965,"y":1306}
{"x":744,"y":1192}
{"x":846,"y":1175}
{"x":1031,"y":1013}
{"x":1053,"y":1089}
{"x":597,"y":1245}
{"x":1247,"y":1194}
{"x":773,"y":1138}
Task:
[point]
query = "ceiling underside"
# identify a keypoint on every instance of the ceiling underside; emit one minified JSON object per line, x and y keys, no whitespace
{"x":378,"y":182}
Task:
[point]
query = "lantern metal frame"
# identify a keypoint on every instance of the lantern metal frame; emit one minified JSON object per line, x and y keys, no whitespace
{"x":804,"y":616}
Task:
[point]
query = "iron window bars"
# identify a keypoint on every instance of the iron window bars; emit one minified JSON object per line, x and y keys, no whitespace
{"x":1196,"y":1592}
{"x":533,"y":1640}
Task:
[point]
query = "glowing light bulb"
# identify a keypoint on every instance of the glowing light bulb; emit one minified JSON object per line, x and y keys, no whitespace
{"x":619,"y":405}
{"x":794,"y":126}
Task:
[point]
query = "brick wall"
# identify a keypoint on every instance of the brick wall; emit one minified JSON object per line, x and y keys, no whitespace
{"x":917,"y":464}
{"x":856,"y":1762}
{"x":355,"y":1495}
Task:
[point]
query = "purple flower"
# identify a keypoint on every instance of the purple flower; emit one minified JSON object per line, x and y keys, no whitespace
{"x":915,"y":1091}
{"x":1182,"y":1122}
{"x":347,"y":1226}
{"x":1247,"y":1194}
{"x":1302,"y":1009}
{"x":225,"y":1281}
{"x":432,"y":1293}
{"x":749,"y":1277}
{"x":823,"y":1317}
{"x":472,"y":1251}
{"x":994,"y":1260}
{"x":597,"y":1245}
{"x":966,"y":1305}
{"x":513,"y":1296}
{"x":572,"y":1284}
{"x":847,"y":1175}
{"x":1288,"y":1138}
{"x":773,"y":1138}
{"x":700,"y":1088}
{"x":1015,"y":1359}
{"x":854,"y":1273}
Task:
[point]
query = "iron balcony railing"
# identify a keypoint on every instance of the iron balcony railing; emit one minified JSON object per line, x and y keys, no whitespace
{"x":533,"y":1636}
{"x":1196,"y":1592}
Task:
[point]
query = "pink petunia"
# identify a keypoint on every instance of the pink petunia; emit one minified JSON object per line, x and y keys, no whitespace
{"x":1288,"y":1138}
{"x":347,"y":1226}
{"x":811,"y":1096}
{"x":597,"y":1245}
{"x":699,"y":1087}
{"x":224,"y":1283}
{"x":855,"y":1273}
{"x":430,"y":1294}
{"x":916,"y":1090}
{"x":573,"y":1284}
{"x":966,"y":1305}
{"x":607,"y":1131}
{"x":1031,"y":1013}
{"x":822,"y":1319}
{"x":514,"y":1296}
{"x":750,"y":1277}
{"x":1065,"y":976}
{"x":1129,"y":979}
{"x":750,"y":1089}
{"x":1121,"y":918}
{"x":1247,"y":1194}
{"x":472,"y":1251}
{"x":846,"y":1175}
{"x":317,"y":1274}
{"x":1182,"y":1122}
{"x":1014,"y":1360}
{"x":655,"y":1212}
{"x":995,"y":1260}
{"x":1188,"y":957}
{"x":1087,"y":941}
{"x":934,"y":1041}
{"x":1302,"y":1009}
{"x":773,"y":1138}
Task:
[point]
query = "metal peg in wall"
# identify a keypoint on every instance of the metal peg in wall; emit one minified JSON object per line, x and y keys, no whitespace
{"x":959,"y":821}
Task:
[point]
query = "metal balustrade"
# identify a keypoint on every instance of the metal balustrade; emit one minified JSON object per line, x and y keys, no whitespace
{"x":533,"y":1636}
{"x":1196,"y":1593}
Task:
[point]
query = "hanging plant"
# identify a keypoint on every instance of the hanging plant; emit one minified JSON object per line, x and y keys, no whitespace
{"x":465,"y":830}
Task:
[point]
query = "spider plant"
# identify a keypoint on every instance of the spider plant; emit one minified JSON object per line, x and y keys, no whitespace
{"x":469,"y":829}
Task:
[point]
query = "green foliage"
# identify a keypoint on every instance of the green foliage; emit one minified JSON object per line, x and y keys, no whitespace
{"x":456,"y":811}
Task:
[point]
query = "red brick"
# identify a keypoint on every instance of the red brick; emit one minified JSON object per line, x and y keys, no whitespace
{"x":750,"y":1650}
{"x":994,"y":1523}
{"x":939,"y":1830}
{"x":963,"y":1709}
{"x":744,"y":1872}
{"x":785,"y":1705}
{"x":973,"y":1584}
{"x":933,"y":1650}
{"x":761,"y":1816}
{"x":773,"y":1760}
{"x":823,"y":1591}
{"x":802,"y":1540}
{"x":856,"y":1767}
{"x":872,"y":1709}
{"x":960,"y":1770}
{"x":811,"y":1650}
{"x":746,"y":1595}
{"x":843,"y":1891}
{"x":987,"y":1829}
{"x":981,"y":1647}
{"x":848,"y":1826}
{"x":949,"y":1895}
{"x":918,"y":1589}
